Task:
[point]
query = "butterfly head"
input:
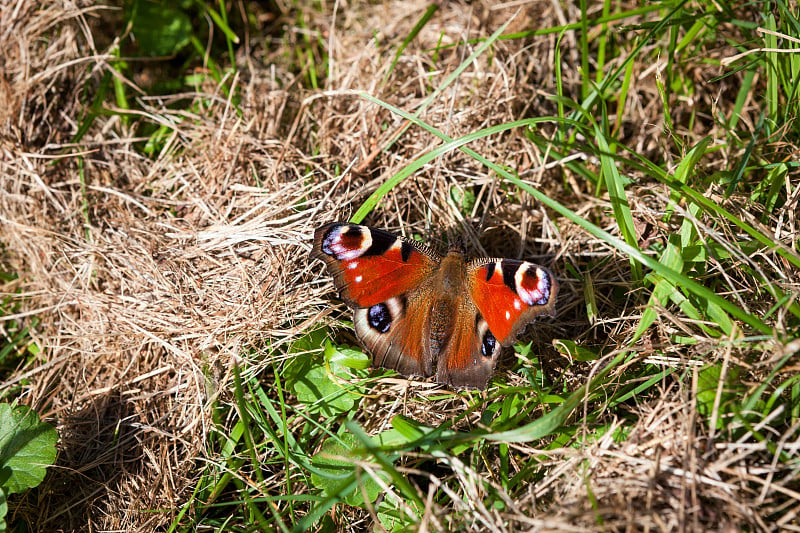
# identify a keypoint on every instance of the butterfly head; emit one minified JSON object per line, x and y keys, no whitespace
{"x":457,"y":246}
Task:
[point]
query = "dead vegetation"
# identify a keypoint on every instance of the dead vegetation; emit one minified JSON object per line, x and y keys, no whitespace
{"x":151,"y":277}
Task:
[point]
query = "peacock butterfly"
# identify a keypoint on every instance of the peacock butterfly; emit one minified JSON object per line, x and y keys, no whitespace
{"x":421,"y":313}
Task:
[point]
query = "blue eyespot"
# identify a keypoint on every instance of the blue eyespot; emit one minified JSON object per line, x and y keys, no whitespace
{"x":379,"y":318}
{"x":488,"y":344}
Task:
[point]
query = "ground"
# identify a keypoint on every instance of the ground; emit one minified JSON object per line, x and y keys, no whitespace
{"x":163,"y":313}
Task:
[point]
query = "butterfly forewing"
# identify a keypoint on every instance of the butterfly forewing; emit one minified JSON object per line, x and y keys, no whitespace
{"x":369,"y":266}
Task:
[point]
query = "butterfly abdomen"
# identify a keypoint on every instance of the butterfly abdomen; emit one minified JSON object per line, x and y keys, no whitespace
{"x":440,"y":325}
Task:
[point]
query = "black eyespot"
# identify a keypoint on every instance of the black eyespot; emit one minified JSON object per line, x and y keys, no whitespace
{"x":379,"y":318}
{"x":488,"y":345}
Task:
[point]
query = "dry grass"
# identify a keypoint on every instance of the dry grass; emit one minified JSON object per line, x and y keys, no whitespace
{"x":151,"y":277}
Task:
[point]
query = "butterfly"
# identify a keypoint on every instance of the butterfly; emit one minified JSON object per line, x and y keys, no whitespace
{"x":423,"y":314}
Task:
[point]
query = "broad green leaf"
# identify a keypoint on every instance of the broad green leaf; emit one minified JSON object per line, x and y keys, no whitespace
{"x":707,"y":384}
{"x":390,"y":438}
{"x":393,"y":515}
{"x":3,"y":511}
{"x":160,"y":29}
{"x":342,"y":356}
{"x":462,"y":199}
{"x":27,"y":448}
{"x":336,"y":462}
{"x":321,"y":393}
{"x":324,"y":385}
{"x":304,"y":355}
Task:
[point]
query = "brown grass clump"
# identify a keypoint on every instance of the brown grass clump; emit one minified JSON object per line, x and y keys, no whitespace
{"x":151,"y":278}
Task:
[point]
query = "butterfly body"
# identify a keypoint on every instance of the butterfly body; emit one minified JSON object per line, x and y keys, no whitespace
{"x":422,"y":313}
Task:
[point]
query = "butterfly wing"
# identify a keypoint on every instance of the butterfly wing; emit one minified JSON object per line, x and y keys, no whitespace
{"x":471,"y":354}
{"x":509,"y":294}
{"x":384,"y":278}
{"x":368,"y":265}
{"x":395,"y":332}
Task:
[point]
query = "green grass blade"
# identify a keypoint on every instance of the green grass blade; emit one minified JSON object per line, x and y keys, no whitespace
{"x":618,"y":198}
{"x":426,"y":17}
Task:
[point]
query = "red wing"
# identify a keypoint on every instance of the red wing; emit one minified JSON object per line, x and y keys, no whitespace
{"x":370,"y":266}
{"x":509,"y":294}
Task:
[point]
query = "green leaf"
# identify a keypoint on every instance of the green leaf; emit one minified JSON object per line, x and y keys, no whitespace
{"x":615,"y":185}
{"x":574,"y":351}
{"x":393,"y":515}
{"x":159,"y":29}
{"x":426,"y":17}
{"x":345,"y":357}
{"x":767,"y":192}
{"x":390,"y":438}
{"x":324,"y":385}
{"x":27,"y":448}
{"x":707,"y":384}
{"x":462,"y":199}
{"x":590,"y":298}
{"x":3,"y":511}
{"x":303,"y":352}
{"x":320,"y":393}
{"x":335,"y":463}
{"x":410,"y":429}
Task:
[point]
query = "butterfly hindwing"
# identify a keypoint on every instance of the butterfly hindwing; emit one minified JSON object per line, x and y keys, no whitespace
{"x":394,"y":331}
{"x":471,"y":354}
{"x":368,"y":265}
{"x":509,"y":294}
